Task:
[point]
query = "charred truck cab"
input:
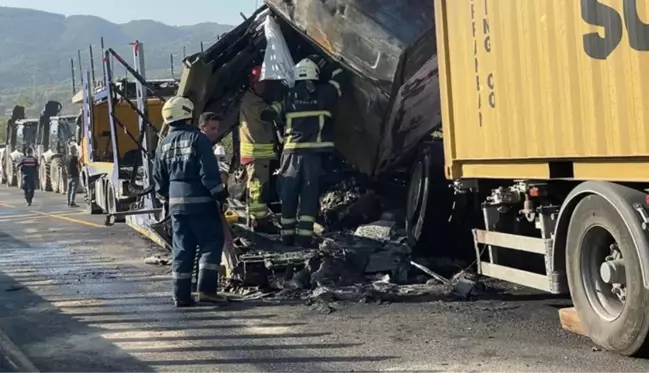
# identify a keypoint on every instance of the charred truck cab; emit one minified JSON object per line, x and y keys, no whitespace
{"x":382,"y":46}
{"x":119,"y":120}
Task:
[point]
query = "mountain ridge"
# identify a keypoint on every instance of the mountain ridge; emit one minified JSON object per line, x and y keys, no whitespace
{"x":36,"y":46}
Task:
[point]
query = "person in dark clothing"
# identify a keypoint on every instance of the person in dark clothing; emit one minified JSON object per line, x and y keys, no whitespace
{"x":309,"y":111}
{"x":73,"y":176}
{"x":187,"y":177}
{"x":28,"y":166}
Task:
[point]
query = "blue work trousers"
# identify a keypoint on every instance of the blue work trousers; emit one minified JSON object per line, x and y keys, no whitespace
{"x":72,"y":189}
{"x":201,"y":232}
{"x":28,"y":186}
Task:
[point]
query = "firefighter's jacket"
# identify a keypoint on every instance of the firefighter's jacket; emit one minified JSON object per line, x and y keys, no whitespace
{"x":186,"y":173}
{"x":309,"y":111}
{"x":256,"y":136}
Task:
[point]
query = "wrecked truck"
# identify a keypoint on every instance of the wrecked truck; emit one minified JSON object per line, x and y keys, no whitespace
{"x":385,"y":127}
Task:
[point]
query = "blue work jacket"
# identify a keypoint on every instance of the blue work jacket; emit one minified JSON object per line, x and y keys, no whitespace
{"x":186,"y":172}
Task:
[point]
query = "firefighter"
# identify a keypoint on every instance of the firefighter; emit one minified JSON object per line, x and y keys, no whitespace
{"x":308,"y":136}
{"x":187,"y":177}
{"x":28,"y":166}
{"x":257,"y":140}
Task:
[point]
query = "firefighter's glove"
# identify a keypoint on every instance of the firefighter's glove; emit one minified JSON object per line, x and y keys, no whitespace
{"x":221,"y":195}
{"x":268,"y":115}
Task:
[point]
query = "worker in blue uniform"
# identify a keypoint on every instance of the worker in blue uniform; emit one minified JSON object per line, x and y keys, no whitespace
{"x":186,"y":176}
{"x":28,"y":166}
{"x":309,"y":108}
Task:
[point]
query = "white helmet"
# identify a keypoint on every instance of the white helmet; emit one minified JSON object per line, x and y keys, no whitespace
{"x":177,"y":108}
{"x":307,"y":70}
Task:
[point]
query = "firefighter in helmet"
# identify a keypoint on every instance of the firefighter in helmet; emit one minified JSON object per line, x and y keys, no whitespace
{"x":257,"y":139}
{"x":308,"y":109}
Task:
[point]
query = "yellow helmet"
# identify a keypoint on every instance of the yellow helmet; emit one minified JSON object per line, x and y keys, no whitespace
{"x":177,"y":108}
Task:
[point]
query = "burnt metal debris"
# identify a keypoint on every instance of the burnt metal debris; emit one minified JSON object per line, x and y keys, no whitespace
{"x":361,"y":255}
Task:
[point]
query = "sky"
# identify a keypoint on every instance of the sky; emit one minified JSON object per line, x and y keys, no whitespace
{"x":183,"y":12}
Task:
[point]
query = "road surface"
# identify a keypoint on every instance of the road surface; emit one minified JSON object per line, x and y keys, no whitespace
{"x":76,"y":296}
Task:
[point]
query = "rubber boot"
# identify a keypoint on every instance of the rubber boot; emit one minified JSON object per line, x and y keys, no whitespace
{"x":212,"y":298}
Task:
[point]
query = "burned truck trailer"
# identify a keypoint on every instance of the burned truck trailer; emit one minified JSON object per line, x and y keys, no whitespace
{"x":383,"y":126}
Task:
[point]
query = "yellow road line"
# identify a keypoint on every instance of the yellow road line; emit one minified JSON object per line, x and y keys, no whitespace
{"x":59,"y":217}
{"x":35,"y":215}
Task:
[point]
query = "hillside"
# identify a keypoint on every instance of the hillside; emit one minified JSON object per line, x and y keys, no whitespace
{"x":36,"y":46}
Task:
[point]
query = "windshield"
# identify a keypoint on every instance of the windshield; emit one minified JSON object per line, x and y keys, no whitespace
{"x":25,"y":136}
{"x":61,"y":132}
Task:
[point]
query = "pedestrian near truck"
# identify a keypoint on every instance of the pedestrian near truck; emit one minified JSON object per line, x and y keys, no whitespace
{"x":73,"y":176}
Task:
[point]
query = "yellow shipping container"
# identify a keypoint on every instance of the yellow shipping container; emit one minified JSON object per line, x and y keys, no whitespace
{"x":544,"y":89}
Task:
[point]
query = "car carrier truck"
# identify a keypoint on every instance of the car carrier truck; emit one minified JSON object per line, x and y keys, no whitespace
{"x":544,"y":111}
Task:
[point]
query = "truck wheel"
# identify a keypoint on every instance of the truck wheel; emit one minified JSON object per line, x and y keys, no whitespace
{"x":114,"y":205}
{"x":91,"y":207}
{"x":13,"y":178}
{"x":46,"y":182}
{"x":55,"y":169}
{"x":605,"y":278}
{"x":429,"y":203}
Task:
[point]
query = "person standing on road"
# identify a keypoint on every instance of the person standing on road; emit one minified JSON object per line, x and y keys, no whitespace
{"x":73,"y":176}
{"x":308,"y":136}
{"x":28,"y":166}
{"x":256,"y":151}
{"x":186,"y":176}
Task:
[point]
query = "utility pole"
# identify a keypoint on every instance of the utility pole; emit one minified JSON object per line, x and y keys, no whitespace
{"x":33,"y":83}
{"x":80,"y":66}
{"x":171,"y":61}
{"x":74,"y":84}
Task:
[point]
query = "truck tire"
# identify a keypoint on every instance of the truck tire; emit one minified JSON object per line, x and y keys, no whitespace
{"x":429,"y":203}
{"x":55,"y":170}
{"x":114,"y":205}
{"x":617,"y":320}
{"x":46,"y":182}
{"x":91,"y":207}
{"x":12,"y":178}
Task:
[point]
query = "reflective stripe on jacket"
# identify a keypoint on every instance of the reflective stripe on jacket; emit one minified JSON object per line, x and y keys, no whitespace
{"x":186,"y":171}
{"x":308,"y":109}
{"x":28,"y":166}
{"x":256,"y":136}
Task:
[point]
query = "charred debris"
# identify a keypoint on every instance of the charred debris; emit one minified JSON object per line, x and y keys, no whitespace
{"x":361,"y":255}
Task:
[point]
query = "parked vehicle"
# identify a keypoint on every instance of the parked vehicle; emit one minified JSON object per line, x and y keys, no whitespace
{"x":10,"y":153}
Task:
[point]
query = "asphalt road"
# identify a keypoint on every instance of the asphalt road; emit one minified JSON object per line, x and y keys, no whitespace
{"x":76,"y":296}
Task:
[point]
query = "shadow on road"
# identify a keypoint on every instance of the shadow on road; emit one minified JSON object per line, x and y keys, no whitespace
{"x":138,"y":330}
